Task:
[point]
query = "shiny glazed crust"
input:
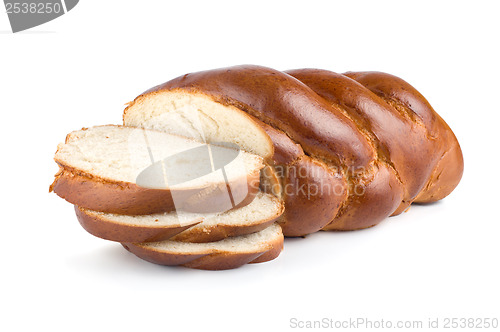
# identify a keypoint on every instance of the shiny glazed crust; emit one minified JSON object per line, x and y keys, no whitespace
{"x":448,"y":166}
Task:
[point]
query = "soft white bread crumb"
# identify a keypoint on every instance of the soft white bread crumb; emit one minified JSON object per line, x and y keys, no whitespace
{"x":197,"y":116}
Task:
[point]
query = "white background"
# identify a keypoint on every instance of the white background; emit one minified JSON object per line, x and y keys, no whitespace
{"x":437,"y":261}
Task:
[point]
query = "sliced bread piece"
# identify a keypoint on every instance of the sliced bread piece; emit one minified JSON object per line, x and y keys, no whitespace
{"x":127,"y":228}
{"x":133,"y":171}
{"x":251,"y":218}
{"x":229,"y":253}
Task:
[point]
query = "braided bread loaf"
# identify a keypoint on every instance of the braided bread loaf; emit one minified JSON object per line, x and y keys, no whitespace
{"x":349,"y":150}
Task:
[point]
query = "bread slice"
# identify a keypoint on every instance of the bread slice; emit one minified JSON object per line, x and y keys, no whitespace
{"x":198,"y":116}
{"x":127,"y":228}
{"x":259,"y":214}
{"x":229,"y":253}
{"x":133,"y":171}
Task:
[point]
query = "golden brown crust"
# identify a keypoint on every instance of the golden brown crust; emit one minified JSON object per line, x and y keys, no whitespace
{"x":401,"y":143}
{"x":310,"y":189}
{"x":210,"y":259}
{"x":159,"y":257}
{"x":448,"y":169}
{"x":446,"y":175}
{"x":103,"y":195}
{"x":286,"y":151}
{"x":313,"y":195}
{"x":375,"y":196}
{"x":224,"y":261}
{"x":106,"y":228}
